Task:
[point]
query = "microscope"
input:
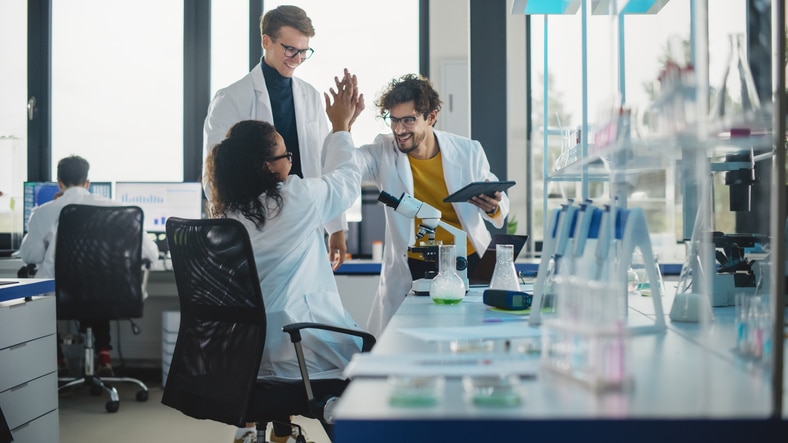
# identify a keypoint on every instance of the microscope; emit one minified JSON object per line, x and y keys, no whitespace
{"x":737,"y":257}
{"x":409,"y":206}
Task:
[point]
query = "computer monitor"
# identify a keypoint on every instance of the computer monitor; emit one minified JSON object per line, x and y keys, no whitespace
{"x":161,"y":200}
{"x":103,"y":189}
{"x":37,"y":193}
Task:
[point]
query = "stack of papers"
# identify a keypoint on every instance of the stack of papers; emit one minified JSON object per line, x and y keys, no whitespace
{"x":506,"y":329}
{"x":447,"y":365}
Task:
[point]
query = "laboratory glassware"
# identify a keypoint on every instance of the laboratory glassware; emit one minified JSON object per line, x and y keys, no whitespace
{"x":447,"y":288}
{"x":504,"y":275}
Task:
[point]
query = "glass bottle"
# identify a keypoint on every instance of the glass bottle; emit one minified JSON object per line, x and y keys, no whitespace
{"x":447,"y":288}
{"x":505,"y":275}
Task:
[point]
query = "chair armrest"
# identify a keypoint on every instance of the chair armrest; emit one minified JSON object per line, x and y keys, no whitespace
{"x":294,"y":329}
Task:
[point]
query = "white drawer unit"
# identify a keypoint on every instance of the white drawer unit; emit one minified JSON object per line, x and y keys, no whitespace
{"x":28,"y":369}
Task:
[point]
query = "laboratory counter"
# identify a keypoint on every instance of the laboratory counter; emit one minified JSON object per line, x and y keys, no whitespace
{"x":357,"y":281}
{"x":683,"y":384}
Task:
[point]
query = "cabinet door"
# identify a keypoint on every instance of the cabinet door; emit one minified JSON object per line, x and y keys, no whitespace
{"x":455,"y":93}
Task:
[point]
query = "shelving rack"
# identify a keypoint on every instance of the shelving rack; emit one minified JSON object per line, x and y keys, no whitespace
{"x":701,"y":143}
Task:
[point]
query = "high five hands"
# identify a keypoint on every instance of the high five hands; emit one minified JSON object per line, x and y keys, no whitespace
{"x":347,"y":102}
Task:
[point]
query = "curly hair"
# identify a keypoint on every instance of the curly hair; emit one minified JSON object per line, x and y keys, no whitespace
{"x":236,"y":173}
{"x":409,"y":87}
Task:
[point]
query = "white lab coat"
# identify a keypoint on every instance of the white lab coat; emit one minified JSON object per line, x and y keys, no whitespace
{"x":38,"y":246}
{"x":297,"y":282}
{"x":247,"y":99}
{"x":464,"y":161}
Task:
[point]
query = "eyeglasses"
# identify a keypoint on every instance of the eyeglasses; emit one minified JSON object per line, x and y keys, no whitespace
{"x":291,"y":52}
{"x":407,"y":122}
{"x":288,"y":155}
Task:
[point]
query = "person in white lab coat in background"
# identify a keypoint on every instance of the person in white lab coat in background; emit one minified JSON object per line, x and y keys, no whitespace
{"x":270,"y":92}
{"x":248,"y":173}
{"x":429,"y":165}
{"x":38,"y":245}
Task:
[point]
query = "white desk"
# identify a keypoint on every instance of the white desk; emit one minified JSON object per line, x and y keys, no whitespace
{"x":357,"y":281}
{"x":688,"y":386}
{"x":28,"y":377}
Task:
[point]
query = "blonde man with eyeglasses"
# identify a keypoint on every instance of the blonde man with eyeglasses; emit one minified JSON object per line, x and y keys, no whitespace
{"x":429,"y":165}
{"x":271,"y":93}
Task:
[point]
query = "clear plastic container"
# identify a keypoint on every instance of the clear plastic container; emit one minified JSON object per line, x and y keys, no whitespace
{"x":493,"y":391}
{"x":416,"y":391}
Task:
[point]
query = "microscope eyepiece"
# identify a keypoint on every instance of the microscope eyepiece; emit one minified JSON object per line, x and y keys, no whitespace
{"x":388,"y":199}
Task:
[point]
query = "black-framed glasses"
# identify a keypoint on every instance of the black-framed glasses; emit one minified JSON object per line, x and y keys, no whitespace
{"x":407,"y":122}
{"x":291,"y":52}
{"x":288,"y":155}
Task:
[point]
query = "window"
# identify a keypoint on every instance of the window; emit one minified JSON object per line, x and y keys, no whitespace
{"x":117,"y":87}
{"x":348,"y":34}
{"x":13,"y":118}
{"x":229,"y":42}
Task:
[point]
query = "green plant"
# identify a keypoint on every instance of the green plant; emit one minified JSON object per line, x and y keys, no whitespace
{"x":511,"y":225}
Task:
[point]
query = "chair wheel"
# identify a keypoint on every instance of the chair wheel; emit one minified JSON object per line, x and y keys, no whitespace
{"x":142,"y":395}
{"x":96,"y":390}
{"x":112,"y":406}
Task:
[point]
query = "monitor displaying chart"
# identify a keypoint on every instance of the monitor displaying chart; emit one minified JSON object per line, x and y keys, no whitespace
{"x":161,"y":200}
{"x":37,"y":193}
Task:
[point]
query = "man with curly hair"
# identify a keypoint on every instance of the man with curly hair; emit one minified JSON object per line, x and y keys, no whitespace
{"x":429,"y":165}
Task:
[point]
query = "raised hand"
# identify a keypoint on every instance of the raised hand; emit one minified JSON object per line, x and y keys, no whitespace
{"x":343,"y":109}
{"x":351,"y":79}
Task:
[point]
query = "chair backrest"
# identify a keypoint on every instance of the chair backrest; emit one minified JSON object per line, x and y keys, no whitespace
{"x":98,"y":262}
{"x":222,"y":327}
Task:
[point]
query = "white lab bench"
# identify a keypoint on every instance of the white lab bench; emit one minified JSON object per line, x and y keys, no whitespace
{"x":688,"y":385}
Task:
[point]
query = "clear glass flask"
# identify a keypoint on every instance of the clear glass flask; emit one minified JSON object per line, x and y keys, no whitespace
{"x":736,"y":95}
{"x":447,"y":288}
{"x":505,"y":275}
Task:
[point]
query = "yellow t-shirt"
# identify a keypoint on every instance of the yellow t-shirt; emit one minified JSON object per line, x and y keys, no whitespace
{"x":430,"y":187}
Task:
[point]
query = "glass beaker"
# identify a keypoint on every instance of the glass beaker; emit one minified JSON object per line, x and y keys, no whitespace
{"x":641,"y":266}
{"x":504,"y":275}
{"x":447,"y":288}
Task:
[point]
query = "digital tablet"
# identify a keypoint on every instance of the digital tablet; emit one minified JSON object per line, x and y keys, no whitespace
{"x":476,"y":188}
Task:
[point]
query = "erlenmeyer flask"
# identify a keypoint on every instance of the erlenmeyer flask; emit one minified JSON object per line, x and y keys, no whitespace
{"x":736,"y":95}
{"x":505,"y":275}
{"x":447,"y":288}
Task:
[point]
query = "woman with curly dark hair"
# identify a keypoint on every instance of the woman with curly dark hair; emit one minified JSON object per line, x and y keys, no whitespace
{"x":284,"y":215}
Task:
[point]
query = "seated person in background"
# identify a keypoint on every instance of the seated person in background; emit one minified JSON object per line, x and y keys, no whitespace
{"x":38,"y":245}
{"x":284,"y":214}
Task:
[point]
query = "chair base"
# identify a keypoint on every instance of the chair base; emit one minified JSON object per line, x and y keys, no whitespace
{"x":297,"y":432}
{"x":97,"y":384}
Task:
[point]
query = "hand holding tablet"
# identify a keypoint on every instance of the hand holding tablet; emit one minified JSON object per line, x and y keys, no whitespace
{"x":475,"y":188}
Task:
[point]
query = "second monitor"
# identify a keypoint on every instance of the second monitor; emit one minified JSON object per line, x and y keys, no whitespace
{"x":161,"y":200}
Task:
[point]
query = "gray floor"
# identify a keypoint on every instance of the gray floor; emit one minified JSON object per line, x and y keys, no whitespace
{"x":83,"y":419}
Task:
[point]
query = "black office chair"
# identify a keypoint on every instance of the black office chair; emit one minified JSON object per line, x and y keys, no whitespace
{"x":100,"y":274}
{"x":213,"y":374}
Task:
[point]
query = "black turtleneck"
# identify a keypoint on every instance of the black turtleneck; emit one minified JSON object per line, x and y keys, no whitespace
{"x":280,"y":91}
